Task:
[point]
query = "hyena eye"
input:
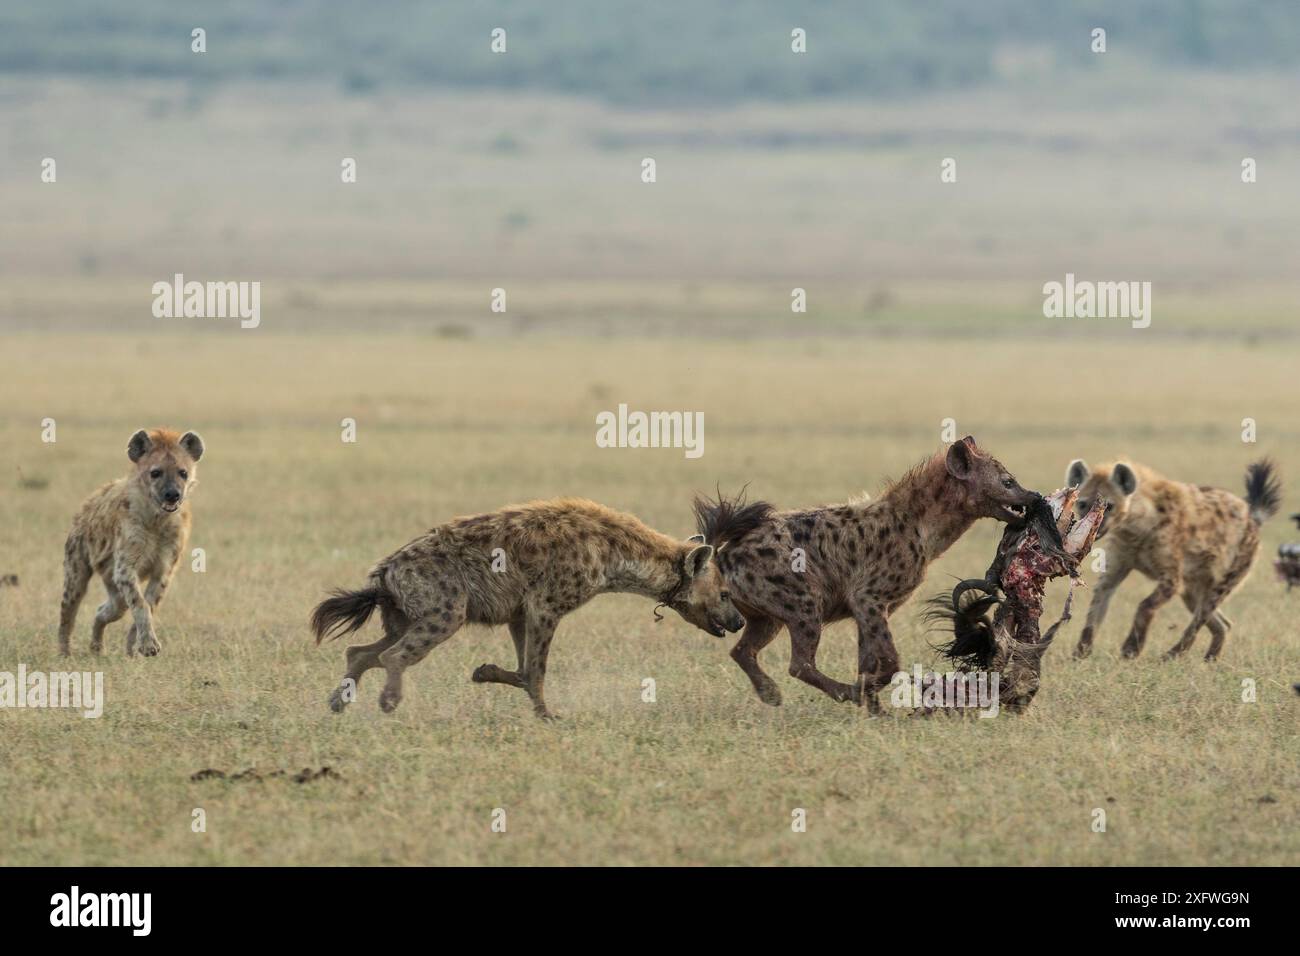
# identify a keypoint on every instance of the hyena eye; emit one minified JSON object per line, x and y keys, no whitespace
{"x":725,"y":595}
{"x":156,"y":473}
{"x":1008,"y":482}
{"x":185,"y":475}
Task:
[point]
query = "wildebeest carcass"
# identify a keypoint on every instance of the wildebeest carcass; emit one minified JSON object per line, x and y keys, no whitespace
{"x":1287,"y":564}
{"x":995,"y":619}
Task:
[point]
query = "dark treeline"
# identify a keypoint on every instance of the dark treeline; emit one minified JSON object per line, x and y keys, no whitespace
{"x":655,"y":52}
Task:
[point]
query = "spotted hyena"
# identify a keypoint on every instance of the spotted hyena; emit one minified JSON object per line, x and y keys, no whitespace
{"x":132,"y":533}
{"x":1193,"y":538}
{"x":861,"y":560}
{"x":525,"y":566}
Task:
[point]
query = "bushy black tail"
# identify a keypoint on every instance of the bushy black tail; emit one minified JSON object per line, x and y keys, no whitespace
{"x":346,"y":611}
{"x":725,"y":521}
{"x":1263,"y":490}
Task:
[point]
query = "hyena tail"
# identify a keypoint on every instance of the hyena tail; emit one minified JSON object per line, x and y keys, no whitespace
{"x":1263,"y":490}
{"x":347,"y":611}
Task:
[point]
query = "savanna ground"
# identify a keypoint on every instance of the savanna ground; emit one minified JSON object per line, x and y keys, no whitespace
{"x":924,"y":303}
{"x":456,"y":422}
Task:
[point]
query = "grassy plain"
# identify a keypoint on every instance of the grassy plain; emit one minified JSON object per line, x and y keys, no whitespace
{"x":449,"y":424}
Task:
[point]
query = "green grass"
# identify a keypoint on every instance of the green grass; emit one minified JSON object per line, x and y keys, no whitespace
{"x":1186,"y":772}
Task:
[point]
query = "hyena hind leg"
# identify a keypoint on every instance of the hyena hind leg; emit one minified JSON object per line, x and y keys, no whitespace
{"x":1201,"y":617}
{"x":1218,"y":634}
{"x":363,"y":657}
{"x":76,"y":578}
{"x":492,"y":674}
{"x":422,"y":637}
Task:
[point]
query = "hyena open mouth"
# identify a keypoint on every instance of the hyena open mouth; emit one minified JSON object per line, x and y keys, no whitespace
{"x":1048,"y":542}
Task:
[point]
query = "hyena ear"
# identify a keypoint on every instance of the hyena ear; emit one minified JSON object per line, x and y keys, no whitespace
{"x":138,"y":446}
{"x":1124,"y":478}
{"x":1077,"y":473}
{"x":696,"y":539}
{"x":192,"y":444}
{"x":961,"y":459}
{"x":697,"y":559}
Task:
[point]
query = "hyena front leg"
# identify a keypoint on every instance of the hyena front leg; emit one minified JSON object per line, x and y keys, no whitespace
{"x":422,"y":636}
{"x":76,"y":576}
{"x":491,"y":674}
{"x":1097,"y":608}
{"x":877,"y":657}
{"x":111,"y":610}
{"x":760,"y":631}
{"x":154,"y":592}
{"x":127,"y":584}
{"x":1137,"y":636}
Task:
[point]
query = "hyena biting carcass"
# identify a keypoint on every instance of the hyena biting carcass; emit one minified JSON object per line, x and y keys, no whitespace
{"x":525,"y":566}
{"x":804,"y":569}
{"x":132,"y":533}
{"x":1196,"y":539}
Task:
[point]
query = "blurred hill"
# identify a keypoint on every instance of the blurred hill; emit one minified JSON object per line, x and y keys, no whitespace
{"x":661,"y":53}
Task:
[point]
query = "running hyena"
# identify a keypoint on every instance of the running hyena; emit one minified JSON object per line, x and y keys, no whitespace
{"x":525,"y":566}
{"x":132,"y":532}
{"x":1198,"y":539}
{"x":804,"y":569}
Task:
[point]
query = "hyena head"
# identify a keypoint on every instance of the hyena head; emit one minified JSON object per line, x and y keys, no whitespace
{"x":991,"y":490}
{"x":1114,"y":484}
{"x":702,"y":597}
{"x":166,"y":465}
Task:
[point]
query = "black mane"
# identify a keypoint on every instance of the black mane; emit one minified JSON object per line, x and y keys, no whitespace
{"x":723,"y":521}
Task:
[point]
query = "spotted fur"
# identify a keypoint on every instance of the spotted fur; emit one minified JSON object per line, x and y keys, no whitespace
{"x":861,"y":560}
{"x":1195,"y":539}
{"x":132,"y":533}
{"x":525,"y":566}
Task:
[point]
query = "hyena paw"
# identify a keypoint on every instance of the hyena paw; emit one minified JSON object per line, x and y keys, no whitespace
{"x":1131,"y":649}
{"x":1083,"y":652}
{"x":339,"y":699}
{"x":769,"y":693}
{"x":389,"y":699}
{"x":149,"y":646}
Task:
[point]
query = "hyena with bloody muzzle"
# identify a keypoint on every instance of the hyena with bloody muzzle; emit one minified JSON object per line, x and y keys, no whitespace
{"x":525,"y":566}
{"x":862,"y":560}
{"x":132,"y":533}
{"x":1193,"y":538}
